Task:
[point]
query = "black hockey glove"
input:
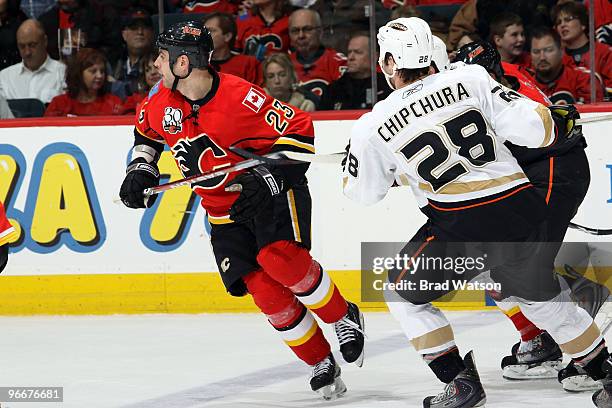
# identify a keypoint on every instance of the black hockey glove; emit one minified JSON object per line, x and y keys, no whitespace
{"x":139,"y":176}
{"x":257,"y":187}
{"x":565,"y":117}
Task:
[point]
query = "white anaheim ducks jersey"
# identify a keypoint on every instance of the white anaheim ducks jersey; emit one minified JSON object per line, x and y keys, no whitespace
{"x":444,"y":137}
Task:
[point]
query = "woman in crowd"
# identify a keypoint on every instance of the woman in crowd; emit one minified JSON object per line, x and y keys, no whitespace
{"x":280,"y":81}
{"x":87,"y":88}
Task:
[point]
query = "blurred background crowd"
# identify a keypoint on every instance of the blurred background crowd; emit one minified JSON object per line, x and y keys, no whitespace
{"x":96,"y":57}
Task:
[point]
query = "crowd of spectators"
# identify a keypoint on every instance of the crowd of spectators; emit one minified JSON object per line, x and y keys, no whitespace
{"x":96,"y":57}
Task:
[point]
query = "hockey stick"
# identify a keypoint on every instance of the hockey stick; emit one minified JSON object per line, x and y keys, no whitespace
{"x":332,"y":158}
{"x":278,"y":158}
{"x":588,"y":230}
{"x":601,"y":118}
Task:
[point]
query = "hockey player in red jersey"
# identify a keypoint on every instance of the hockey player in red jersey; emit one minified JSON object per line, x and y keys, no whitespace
{"x":7,"y":233}
{"x":260,"y":218}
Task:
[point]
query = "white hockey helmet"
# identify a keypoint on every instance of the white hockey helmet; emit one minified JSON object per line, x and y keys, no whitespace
{"x":408,"y":40}
{"x":439,"y":55}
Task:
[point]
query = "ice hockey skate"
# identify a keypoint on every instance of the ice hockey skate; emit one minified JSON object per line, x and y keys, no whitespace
{"x":326,"y":379}
{"x":538,"y":358}
{"x":350,"y":332}
{"x":464,"y":391}
{"x":575,"y":379}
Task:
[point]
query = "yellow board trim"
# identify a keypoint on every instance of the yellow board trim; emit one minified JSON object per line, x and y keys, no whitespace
{"x":160,"y":293}
{"x":311,"y":332}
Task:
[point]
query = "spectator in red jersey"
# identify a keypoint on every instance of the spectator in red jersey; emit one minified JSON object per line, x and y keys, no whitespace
{"x":148,"y":78}
{"x":508,"y":36}
{"x":211,"y":6}
{"x":265,"y":29}
{"x":562,"y":84}
{"x":74,"y":24}
{"x":10,"y":20}
{"x":572,"y":22}
{"x":87,"y":85}
{"x":354,"y":89}
{"x":281,"y":82}
{"x":315,"y":65}
{"x":222,"y":27}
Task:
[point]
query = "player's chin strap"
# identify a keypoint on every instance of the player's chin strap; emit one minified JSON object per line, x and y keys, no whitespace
{"x":177,"y":78}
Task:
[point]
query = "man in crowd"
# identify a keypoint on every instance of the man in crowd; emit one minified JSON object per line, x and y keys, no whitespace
{"x":354,"y":89}
{"x":37,"y":76}
{"x":508,"y":36}
{"x":315,"y":65}
{"x":562,"y":84}
{"x":222,"y":27}
{"x":137,"y":35}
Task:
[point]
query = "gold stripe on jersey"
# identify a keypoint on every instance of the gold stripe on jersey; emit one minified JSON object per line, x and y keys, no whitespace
{"x":321,"y":295}
{"x":404,"y":180}
{"x":511,"y":312}
{"x":434,"y":338}
{"x":225,"y":219}
{"x":588,"y":339}
{"x":8,"y":236}
{"x":547,"y":122}
{"x":301,"y":333}
{"x":471,"y":186}
{"x":147,"y":136}
{"x":294,"y":217}
{"x":285,"y":140}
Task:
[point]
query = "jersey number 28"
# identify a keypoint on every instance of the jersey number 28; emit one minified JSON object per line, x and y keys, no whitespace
{"x":468,"y":133}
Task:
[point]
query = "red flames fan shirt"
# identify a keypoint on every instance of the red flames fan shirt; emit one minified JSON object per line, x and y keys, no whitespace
{"x":322,"y":71}
{"x":254,"y":33}
{"x":7,"y":231}
{"x":211,"y":6}
{"x":573,"y":85}
{"x":234,"y":113}
{"x":603,"y":61}
{"x":527,"y":86}
{"x":243,"y":66}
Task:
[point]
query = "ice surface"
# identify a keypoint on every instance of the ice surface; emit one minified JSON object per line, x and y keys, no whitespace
{"x":228,"y":361}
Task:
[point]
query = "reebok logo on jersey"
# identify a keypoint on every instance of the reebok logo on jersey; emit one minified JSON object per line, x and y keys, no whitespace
{"x":172,"y":120}
{"x":254,"y":100}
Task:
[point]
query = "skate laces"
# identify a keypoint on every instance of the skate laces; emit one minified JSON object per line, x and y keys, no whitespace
{"x":449,"y":391}
{"x":345,"y":330}
{"x":322,"y":367}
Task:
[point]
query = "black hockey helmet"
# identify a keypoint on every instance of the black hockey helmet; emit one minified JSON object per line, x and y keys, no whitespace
{"x":190,"y":38}
{"x":484,"y":54}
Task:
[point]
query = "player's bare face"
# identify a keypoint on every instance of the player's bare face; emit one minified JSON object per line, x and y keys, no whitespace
{"x":162,"y":65}
{"x":94,"y":76}
{"x":545,"y":55}
{"x":569,"y":27}
{"x":278,"y":82}
{"x":512,"y":43}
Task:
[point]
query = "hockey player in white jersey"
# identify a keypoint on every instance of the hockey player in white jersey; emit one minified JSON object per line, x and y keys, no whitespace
{"x":443,"y":135}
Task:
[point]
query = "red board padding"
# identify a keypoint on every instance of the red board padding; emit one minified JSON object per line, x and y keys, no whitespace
{"x":128,"y":120}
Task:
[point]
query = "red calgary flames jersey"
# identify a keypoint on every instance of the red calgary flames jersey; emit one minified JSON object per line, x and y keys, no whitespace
{"x":7,"y":231}
{"x":527,"y":86}
{"x":211,"y":6}
{"x":257,"y":37}
{"x":243,"y":66}
{"x":199,"y":134}
{"x":318,"y":74}
{"x":573,"y":85}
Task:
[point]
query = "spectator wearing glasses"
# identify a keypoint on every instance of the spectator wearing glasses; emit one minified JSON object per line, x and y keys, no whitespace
{"x":37,"y":76}
{"x":87,"y":85}
{"x":280,"y":82}
{"x":223,"y":30}
{"x":562,"y":84}
{"x":508,"y":36}
{"x":354,"y":89}
{"x":264,"y":30}
{"x":571,"y":22}
{"x":137,"y":35}
{"x":315,"y":65}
